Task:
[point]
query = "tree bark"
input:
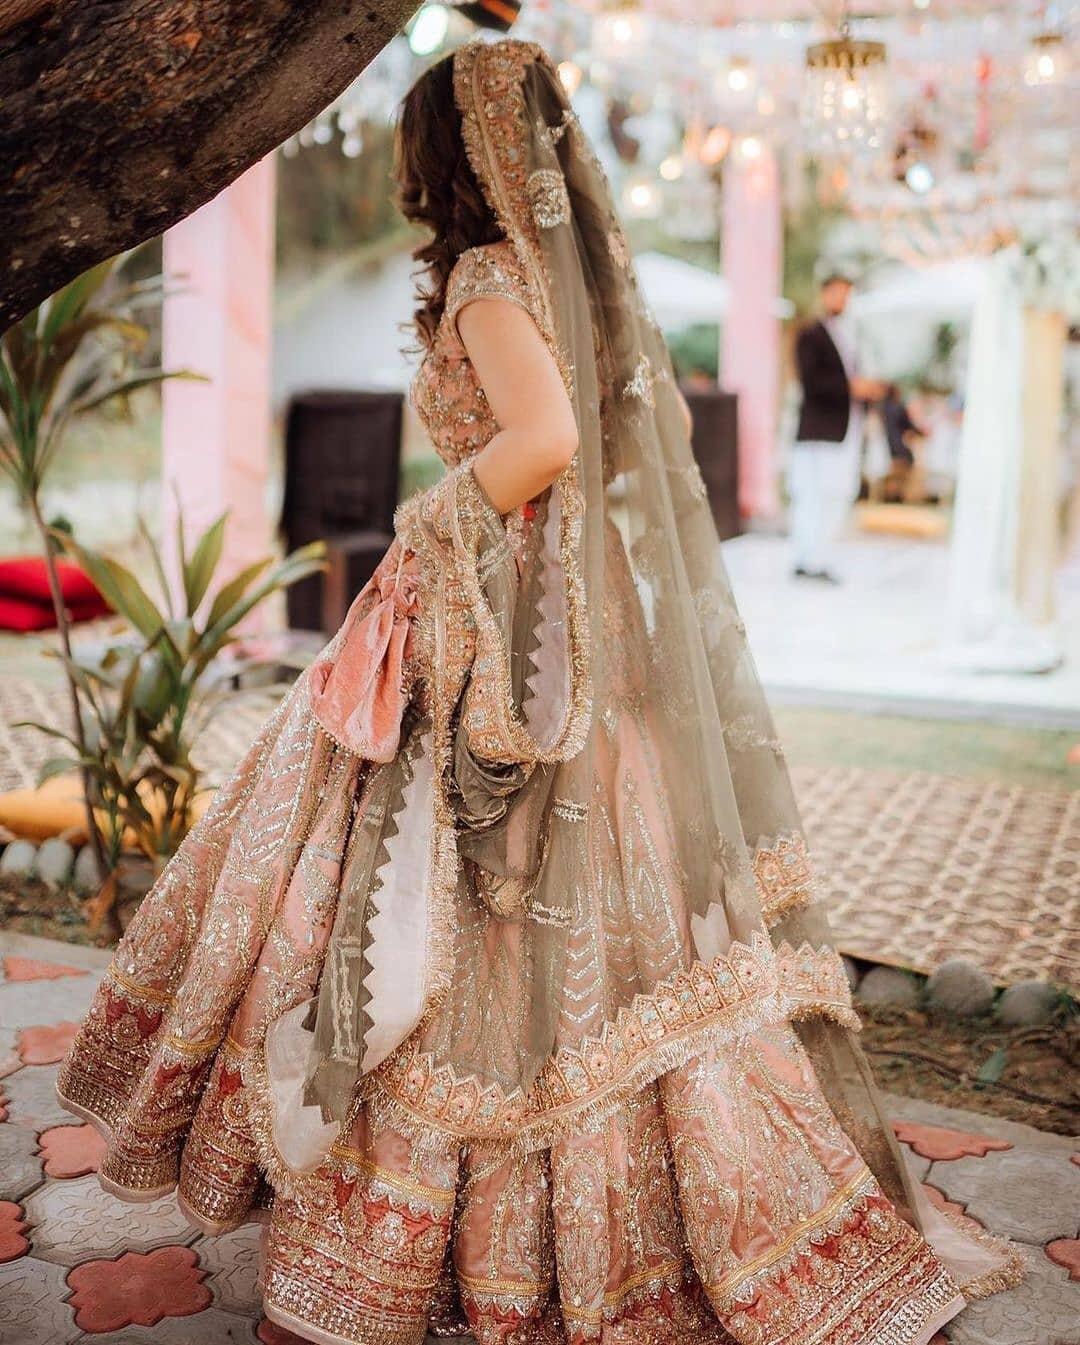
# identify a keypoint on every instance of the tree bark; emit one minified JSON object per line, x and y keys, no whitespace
{"x":120,"y":117}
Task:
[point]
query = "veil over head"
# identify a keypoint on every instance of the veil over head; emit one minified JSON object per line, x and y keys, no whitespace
{"x":513,"y":871}
{"x":739,"y":858}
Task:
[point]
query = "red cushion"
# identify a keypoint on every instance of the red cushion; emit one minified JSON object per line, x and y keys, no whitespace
{"x":26,"y":577}
{"x":22,"y":614}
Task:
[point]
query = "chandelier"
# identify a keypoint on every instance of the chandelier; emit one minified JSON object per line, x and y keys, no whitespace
{"x":1047,"y":60}
{"x":845,"y":95}
{"x":620,"y":31}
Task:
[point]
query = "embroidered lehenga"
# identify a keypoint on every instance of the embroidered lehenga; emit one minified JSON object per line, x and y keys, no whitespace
{"x":492,"y":980}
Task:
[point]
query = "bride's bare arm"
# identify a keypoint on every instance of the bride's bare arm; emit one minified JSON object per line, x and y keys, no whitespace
{"x":537,"y":433}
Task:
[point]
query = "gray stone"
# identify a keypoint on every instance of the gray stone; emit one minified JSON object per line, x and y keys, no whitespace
{"x":1028,"y":1004}
{"x":35,"y":1311}
{"x":960,"y":987}
{"x":887,"y":985}
{"x":31,"y":1094}
{"x":20,"y":1167}
{"x":1043,"y":1310}
{"x":1023,"y":1194}
{"x":955,"y":1118}
{"x":851,"y":971}
{"x":18,"y":859}
{"x":55,"y":860}
{"x":84,"y":876}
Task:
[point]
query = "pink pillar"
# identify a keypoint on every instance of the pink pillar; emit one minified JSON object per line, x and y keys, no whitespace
{"x":216,"y":435}
{"x":750,"y":365}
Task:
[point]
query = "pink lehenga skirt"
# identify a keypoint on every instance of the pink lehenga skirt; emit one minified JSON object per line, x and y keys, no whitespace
{"x":672,"y":1173}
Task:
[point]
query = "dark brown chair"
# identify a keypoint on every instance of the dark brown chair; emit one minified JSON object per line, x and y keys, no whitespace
{"x":342,"y":459}
{"x":716,"y":447}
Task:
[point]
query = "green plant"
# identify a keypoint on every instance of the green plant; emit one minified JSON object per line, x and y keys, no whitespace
{"x":75,"y":353}
{"x":144,"y":699}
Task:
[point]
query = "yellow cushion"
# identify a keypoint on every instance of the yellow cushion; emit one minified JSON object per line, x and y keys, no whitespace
{"x":57,"y":808}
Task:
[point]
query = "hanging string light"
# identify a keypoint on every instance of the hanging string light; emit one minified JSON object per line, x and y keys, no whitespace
{"x":845,"y":95}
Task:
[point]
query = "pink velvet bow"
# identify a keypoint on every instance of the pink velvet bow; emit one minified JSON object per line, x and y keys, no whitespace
{"x":359,"y":697}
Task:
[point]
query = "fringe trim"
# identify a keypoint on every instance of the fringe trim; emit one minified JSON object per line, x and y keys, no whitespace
{"x":1012,"y":1272}
{"x":575,"y":1118}
{"x":784,"y":877}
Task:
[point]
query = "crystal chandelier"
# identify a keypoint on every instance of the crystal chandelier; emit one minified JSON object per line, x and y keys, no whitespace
{"x":620,"y":31}
{"x":845,"y":95}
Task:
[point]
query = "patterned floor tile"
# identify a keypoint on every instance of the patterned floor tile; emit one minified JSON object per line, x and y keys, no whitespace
{"x":45,"y":1043}
{"x":34,"y":1311}
{"x":20,"y":1168}
{"x":9,"y":1056}
{"x":31,"y":1095}
{"x":1066,"y":1252}
{"x":269,"y":1333}
{"x":1032,"y":1197}
{"x":23,"y":1002}
{"x":73,"y":1221}
{"x":942,"y":1145}
{"x":13,"y":1243}
{"x":210,"y":1327}
{"x":137,"y":1289}
{"x":915,"y":1163}
{"x":950,"y":1207}
{"x":1044,"y":1310}
{"x":232,"y":1263}
{"x":71,"y":1150}
{"x":33,"y":969}
{"x":954,"y":1118}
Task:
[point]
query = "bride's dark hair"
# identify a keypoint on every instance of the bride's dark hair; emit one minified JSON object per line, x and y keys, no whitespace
{"x":437,"y":188}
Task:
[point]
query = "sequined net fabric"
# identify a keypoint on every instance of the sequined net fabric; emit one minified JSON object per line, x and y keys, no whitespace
{"x":492,"y":978}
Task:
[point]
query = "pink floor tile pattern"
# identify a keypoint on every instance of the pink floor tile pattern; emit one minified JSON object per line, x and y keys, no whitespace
{"x":77,"y":1266}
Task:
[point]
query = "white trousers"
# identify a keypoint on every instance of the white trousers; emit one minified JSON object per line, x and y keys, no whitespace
{"x":822,"y":483}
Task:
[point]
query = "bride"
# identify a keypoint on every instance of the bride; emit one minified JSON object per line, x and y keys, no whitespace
{"x":491,"y":980}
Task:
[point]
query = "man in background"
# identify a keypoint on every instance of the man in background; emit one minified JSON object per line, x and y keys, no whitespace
{"x":824,"y":473}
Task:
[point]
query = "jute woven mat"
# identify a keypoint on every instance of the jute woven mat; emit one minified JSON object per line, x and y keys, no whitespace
{"x":915,"y":867}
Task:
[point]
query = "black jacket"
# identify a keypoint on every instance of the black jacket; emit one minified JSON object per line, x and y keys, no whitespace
{"x":826,"y":405}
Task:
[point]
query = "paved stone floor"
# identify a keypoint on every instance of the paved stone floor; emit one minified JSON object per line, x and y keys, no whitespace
{"x":880,"y":639}
{"x":77,"y":1266}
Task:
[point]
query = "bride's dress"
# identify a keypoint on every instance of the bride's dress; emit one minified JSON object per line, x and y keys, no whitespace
{"x":489,"y":978}
{"x":673,"y":1171}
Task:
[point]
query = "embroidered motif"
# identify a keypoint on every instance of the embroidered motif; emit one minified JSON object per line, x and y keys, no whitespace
{"x":784,"y":877}
{"x":750,"y":986}
{"x":641,"y":385}
{"x":548,"y":198}
{"x":617,"y":247}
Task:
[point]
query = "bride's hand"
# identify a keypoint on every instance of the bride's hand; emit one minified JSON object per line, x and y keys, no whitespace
{"x":537,"y":432}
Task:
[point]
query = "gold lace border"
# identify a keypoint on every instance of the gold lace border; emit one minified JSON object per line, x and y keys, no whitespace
{"x":750,"y":987}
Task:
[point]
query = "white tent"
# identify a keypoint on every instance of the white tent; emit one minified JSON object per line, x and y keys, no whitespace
{"x":942,"y":291}
{"x":680,"y":293}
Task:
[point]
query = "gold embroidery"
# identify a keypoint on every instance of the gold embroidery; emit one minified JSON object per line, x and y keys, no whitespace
{"x":548,"y":198}
{"x":784,"y":877}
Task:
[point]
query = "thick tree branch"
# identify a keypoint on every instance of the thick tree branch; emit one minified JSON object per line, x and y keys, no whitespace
{"x":120,"y":117}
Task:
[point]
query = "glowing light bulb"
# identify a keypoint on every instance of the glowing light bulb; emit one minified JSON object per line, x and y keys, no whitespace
{"x":851,"y":97}
{"x":427,"y":32}
{"x":570,"y":75}
{"x":671,"y":169}
{"x":919,"y":178}
{"x":750,"y":147}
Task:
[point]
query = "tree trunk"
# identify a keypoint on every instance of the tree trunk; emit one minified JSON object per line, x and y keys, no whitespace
{"x":120,"y":117}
